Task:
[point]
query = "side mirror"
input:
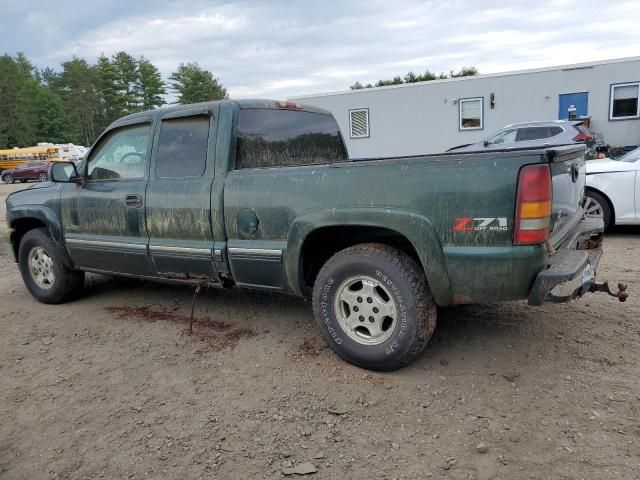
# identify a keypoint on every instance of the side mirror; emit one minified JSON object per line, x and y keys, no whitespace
{"x":485,"y":143}
{"x":64,"y":172}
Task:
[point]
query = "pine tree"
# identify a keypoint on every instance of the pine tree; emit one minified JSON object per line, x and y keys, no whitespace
{"x":193,"y":84}
{"x":126,"y":81}
{"x":412,"y":77}
{"x":465,"y":72}
{"x":108,"y":107}
{"x":51,"y":123}
{"x":17,"y":91}
{"x":80,"y":99}
{"x":151,"y":87}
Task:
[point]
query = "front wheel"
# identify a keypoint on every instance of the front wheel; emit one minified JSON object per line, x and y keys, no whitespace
{"x":43,"y":271}
{"x":373,"y":306}
{"x":8,"y":178}
{"x":42,"y":177}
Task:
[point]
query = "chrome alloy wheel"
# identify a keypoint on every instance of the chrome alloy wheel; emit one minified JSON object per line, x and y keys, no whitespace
{"x":365,"y":310}
{"x":592,"y":209}
{"x":41,"y":268}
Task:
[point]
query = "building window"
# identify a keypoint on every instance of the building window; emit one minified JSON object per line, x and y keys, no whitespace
{"x":470,"y":113}
{"x":359,"y":123}
{"x":624,"y":101}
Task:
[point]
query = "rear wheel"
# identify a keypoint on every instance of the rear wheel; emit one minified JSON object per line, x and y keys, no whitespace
{"x":42,"y":177}
{"x":43,"y":270}
{"x":596,"y":206}
{"x":373,"y":306}
{"x":8,"y":178}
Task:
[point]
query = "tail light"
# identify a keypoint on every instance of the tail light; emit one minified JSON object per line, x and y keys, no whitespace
{"x":582,"y":137}
{"x":533,"y":205}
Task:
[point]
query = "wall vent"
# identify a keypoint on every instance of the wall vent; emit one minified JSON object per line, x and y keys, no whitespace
{"x":359,"y":123}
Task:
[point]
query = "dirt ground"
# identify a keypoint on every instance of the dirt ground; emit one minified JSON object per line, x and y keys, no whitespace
{"x":111,"y":386}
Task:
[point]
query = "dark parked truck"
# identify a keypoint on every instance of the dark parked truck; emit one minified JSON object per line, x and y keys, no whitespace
{"x":262,"y":195}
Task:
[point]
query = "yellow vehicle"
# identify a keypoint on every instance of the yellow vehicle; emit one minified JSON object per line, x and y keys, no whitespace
{"x":14,"y":157}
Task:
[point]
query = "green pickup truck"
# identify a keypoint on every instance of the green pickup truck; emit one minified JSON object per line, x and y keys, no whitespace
{"x":262,"y":195}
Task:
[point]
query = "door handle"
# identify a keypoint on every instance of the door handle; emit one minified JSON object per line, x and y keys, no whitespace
{"x":133,"y":200}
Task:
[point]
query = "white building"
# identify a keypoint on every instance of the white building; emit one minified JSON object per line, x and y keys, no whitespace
{"x":430,"y":117}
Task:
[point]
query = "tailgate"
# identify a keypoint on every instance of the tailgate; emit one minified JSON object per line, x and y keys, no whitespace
{"x":568,"y":176}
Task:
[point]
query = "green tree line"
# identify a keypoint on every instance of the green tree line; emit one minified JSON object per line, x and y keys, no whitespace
{"x":412,"y":77}
{"x":76,"y":102}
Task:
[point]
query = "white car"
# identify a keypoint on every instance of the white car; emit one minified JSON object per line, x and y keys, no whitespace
{"x":613,"y":189}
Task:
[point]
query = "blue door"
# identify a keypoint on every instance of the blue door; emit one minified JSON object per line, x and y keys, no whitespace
{"x":578,"y":100}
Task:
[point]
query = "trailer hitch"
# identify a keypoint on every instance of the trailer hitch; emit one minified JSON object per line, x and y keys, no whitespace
{"x":621,"y":294}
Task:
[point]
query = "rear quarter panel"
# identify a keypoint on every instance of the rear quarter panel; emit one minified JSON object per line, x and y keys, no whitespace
{"x":426,"y":199}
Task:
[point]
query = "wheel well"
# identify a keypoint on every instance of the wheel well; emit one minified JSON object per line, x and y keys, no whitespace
{"x":19,"y":228}
{"x":321,"y":244}
{"x":613,"y":210}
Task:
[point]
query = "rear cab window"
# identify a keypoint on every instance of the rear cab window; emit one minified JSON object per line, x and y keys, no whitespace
{"x":282,"y":137}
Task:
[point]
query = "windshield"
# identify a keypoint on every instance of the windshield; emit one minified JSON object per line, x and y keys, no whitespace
{"x":632,"y":156}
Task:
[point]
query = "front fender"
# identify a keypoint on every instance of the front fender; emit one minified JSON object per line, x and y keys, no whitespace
{"x":38,"y":212}
{"x":416,"y":228}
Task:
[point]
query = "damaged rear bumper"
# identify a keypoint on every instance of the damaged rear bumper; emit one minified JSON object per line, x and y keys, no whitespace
{"x":571,"y":270}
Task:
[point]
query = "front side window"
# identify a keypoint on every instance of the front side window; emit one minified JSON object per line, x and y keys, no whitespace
{"x":507,"y":136}
{"x":122,"y":155}
{"x":624,"y":101}
{"x":182,"y":147}
{"x":470,"y":113}
{"x":278,"y":138}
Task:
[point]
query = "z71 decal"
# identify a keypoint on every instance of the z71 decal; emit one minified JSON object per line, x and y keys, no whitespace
{"x":471,"y":224}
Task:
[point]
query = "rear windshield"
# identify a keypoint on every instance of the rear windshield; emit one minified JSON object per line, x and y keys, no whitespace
{"x":276,"y":138}
{"x":553,"y":131}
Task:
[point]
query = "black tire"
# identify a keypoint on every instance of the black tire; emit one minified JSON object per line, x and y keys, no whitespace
{"x":8,"y":178}
{"x":605,"y":207}
{"x":406,"y":287}
{"x":42,"y":177}
{"x":66,"y":284}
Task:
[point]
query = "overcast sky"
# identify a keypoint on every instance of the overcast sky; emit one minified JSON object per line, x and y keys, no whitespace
{"x":280,"y":48}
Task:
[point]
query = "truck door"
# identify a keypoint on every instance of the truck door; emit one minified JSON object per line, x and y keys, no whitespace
{"x":103,"y":220}
{"x":178,"y":206}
